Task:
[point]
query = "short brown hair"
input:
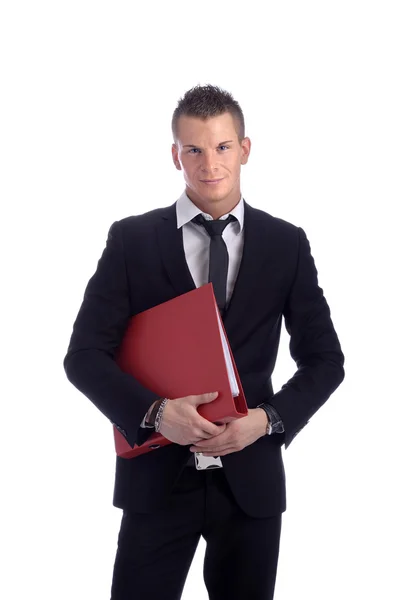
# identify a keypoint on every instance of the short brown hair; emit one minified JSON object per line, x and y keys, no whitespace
{"x":208,"y":101}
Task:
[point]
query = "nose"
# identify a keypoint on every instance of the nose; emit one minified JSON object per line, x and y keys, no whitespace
{"x":208,"y":163}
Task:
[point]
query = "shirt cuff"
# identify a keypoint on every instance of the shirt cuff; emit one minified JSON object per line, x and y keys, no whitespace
{"x":144,"y":425}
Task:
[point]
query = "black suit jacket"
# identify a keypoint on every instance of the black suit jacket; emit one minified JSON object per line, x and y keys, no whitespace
{"x":143,"y":265}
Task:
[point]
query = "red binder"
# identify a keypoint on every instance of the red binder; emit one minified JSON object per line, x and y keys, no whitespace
{"x":175,"y":349}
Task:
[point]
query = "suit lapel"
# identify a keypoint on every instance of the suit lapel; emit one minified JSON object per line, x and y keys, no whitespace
{"x":256,"y":248}
{"x":251,"y":267}
{"x":170,"y":241}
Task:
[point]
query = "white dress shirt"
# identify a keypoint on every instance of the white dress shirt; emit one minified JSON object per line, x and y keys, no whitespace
{"x":196,"y":241}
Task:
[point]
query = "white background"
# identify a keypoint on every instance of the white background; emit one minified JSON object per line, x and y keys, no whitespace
{"x":88,"y":92}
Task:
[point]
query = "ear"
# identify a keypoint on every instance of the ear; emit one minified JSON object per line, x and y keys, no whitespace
{"x":246,"y":149}
{"x":175,"y":157}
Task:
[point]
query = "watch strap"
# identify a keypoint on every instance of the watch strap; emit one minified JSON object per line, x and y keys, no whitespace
{"x":275,"y":423}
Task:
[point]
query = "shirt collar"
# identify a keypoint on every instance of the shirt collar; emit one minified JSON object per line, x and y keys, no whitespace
{"x":186,"y":210}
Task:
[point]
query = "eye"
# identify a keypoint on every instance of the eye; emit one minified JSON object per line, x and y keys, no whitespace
{"x":191,"y":151}
{"x":223,"y":146}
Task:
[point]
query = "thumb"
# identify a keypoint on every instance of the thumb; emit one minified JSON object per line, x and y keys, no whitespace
{"x":206,"y":398}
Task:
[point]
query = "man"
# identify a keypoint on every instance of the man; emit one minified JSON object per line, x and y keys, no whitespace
{"x":262,"y":270}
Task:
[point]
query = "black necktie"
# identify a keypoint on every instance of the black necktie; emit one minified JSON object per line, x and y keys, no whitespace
{"x":218,"y":256}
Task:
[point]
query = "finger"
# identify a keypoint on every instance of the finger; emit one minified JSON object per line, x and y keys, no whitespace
{"x":210,"y":429}
{"x":199,"y":440}
{"x":215,"y":440}
{"x":204,"y":436}
{"x":210,"y":442}
{"x":210,"y":449}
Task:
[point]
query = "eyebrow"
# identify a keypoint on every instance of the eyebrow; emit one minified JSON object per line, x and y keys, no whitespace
{"x":221,"y":144}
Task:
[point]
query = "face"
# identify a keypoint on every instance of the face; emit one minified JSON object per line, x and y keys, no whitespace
{"x":210,"y":156}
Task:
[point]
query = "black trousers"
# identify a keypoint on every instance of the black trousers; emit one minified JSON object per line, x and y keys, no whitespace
{"x":155,"y":550}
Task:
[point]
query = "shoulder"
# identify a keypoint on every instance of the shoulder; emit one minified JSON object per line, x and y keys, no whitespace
{"x":144,"y":222}
{"x":271,"y":219}
{"x":272,"y":224}
{"x":147,"y":218}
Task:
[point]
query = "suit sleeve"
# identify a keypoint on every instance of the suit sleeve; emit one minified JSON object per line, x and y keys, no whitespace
{"x":97,"y":332}
{"x":314,"y":346}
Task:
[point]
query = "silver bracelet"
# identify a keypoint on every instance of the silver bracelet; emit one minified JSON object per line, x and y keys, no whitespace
{"x":158,"y":418}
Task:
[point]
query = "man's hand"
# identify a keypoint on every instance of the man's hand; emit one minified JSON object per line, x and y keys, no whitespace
{"x":182,"y":424}
{"x":237,"y":435}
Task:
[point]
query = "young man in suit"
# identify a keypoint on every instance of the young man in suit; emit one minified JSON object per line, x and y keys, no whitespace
{"x":262,"y":269}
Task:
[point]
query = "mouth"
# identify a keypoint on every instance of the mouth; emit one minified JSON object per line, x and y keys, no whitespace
{"x":211,"y":181}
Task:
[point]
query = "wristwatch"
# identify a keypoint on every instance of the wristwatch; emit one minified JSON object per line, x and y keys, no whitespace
{"x":275,"y":423}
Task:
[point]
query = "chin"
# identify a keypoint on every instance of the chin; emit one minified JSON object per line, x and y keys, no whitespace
{"x":213,"y":192}
{"x":209,"y":194}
